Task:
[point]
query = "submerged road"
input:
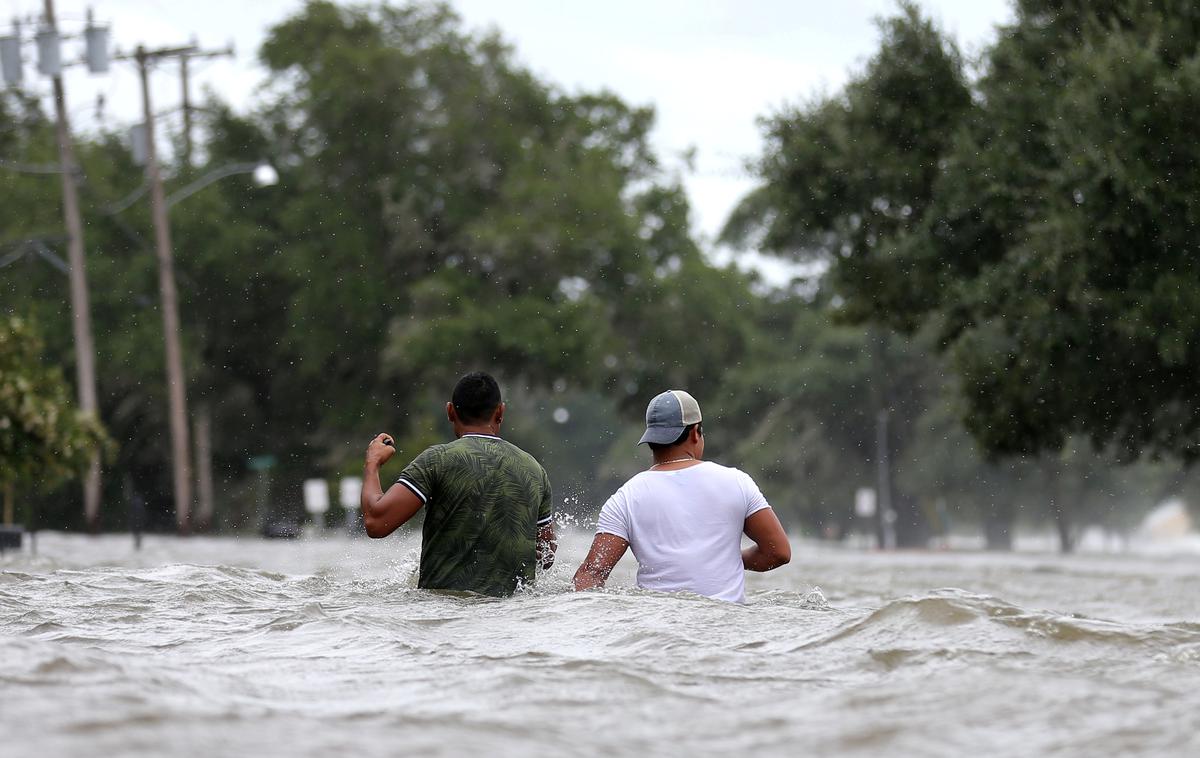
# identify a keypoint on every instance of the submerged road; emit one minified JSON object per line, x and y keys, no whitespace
{"x":220,"y":646}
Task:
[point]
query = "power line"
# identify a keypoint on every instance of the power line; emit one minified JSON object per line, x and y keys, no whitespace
{"x":31,"y":168}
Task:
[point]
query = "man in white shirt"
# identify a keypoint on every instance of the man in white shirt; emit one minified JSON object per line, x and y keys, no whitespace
{"x":684,"y":517}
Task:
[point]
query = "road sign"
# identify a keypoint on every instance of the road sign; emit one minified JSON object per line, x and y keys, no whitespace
{"x":262,"y":462}
{"x":349,"y":491}
{"x":316,"y":495}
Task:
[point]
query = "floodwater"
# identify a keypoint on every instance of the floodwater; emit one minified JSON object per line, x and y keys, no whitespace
{"x":215,"y":646}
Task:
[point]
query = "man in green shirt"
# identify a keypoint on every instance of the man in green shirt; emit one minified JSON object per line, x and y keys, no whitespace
{"x":488,"y":510}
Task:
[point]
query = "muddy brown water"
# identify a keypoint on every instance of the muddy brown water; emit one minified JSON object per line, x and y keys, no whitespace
{"x":222,"y":646}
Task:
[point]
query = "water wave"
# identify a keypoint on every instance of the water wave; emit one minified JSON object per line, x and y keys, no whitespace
{"x":313,"y":648}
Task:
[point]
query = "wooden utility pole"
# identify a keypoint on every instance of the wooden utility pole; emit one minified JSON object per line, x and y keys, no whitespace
{"x":81,"y":319}
{"x":186,"y":56}
{"x":181,"y":466}
{"x":187,"y":110}
{"x":169,"y":303}
{"x":172,"y":333}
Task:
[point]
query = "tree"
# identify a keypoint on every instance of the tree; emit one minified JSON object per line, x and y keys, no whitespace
{"x":453,"y":210}
{"x":1062,"y":234}
{"x":43,"y":440}
{"x":847,"y":179}
{"x":1054,"y":254}
{"x":1038,"y":222}
{"x":803,"y":411}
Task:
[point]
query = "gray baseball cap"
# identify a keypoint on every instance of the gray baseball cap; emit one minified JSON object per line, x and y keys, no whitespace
{"x":668,"y":415}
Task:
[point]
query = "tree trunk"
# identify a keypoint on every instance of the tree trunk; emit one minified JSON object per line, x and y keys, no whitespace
{"x":884,"y":507}
{"x":883,"y":484}
{"x":204,"y":472}
{"x":1062,"y":522}
{"x":1062,"y":515}
{"x":998,"y":526}
{"x":91,"y":495}
{"x":911,"y":528}
{"x":8,"y":503}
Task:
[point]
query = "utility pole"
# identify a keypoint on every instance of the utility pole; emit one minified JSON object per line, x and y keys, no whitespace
{"x":81,"y":320}
{"x":187,"y":110}
{"x":185,"y":59}
{"x":176,"y":379}
{"x":203,"y":421}
{"x":181,"y":465}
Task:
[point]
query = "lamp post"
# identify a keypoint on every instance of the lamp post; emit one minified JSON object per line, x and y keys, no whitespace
{"x":264,"y":175}
{"x":172,"y":333}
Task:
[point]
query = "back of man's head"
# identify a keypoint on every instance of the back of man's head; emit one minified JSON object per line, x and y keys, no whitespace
{"x":476,"y":397}
{"x":658,"y":447}
{"x":670,"y":418}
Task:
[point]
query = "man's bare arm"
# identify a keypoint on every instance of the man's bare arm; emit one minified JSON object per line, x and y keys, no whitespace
{"x":606,"y":550}
{"x":771,"y":548}
{"x":547,"y":545}
{"x":383,"y":513}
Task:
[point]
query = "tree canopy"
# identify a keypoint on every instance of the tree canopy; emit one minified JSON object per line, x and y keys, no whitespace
{"x":1040,"y":218}
{"x":43,"y":438}
{"x":443,"y":209}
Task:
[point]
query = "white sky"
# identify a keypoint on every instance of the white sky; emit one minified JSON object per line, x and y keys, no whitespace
{"x":709,"y":67}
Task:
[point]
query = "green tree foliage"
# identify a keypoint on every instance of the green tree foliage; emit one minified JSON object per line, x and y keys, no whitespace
{"x":34,"y":285}
{"x":848,"y":178}
{"x":443,"y":209}
{"x":1045,"y":224}
{"x":447,"y":210}
{"x":30,"y":222}
{"x":43,"y":439}
{"x":805,"y":408}
{"x":1079,"y":315}
{"x":440,"y":209}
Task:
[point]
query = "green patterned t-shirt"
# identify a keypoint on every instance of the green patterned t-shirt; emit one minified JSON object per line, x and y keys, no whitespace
{"x":485,"y":500}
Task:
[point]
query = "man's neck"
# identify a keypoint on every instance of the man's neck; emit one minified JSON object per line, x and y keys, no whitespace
{"x":488,"y":430}
{"x":674,"y":455}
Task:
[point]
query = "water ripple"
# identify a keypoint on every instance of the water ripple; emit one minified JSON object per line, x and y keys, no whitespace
{"x":215,"y":647}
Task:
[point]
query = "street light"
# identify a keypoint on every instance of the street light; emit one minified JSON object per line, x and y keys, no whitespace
{"x":263,"y":174}
{"x":168,"y":296}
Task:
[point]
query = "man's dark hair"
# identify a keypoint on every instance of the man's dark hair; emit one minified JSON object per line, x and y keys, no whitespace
{"x":656,"y":447}
{"x":476,"y":397}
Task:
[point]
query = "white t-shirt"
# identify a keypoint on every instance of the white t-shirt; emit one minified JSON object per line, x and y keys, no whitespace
{"x":685,"y":527}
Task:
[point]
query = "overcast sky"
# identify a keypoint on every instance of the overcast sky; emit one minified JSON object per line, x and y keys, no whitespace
{"x":709,"y":67}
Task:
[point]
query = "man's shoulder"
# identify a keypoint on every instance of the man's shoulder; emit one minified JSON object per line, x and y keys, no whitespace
{"x":433,"y":452}
{"x":651,"y":479}
{"x":730,"y":471}
{"x":506,"y":451}
{"x":523,"y":456}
